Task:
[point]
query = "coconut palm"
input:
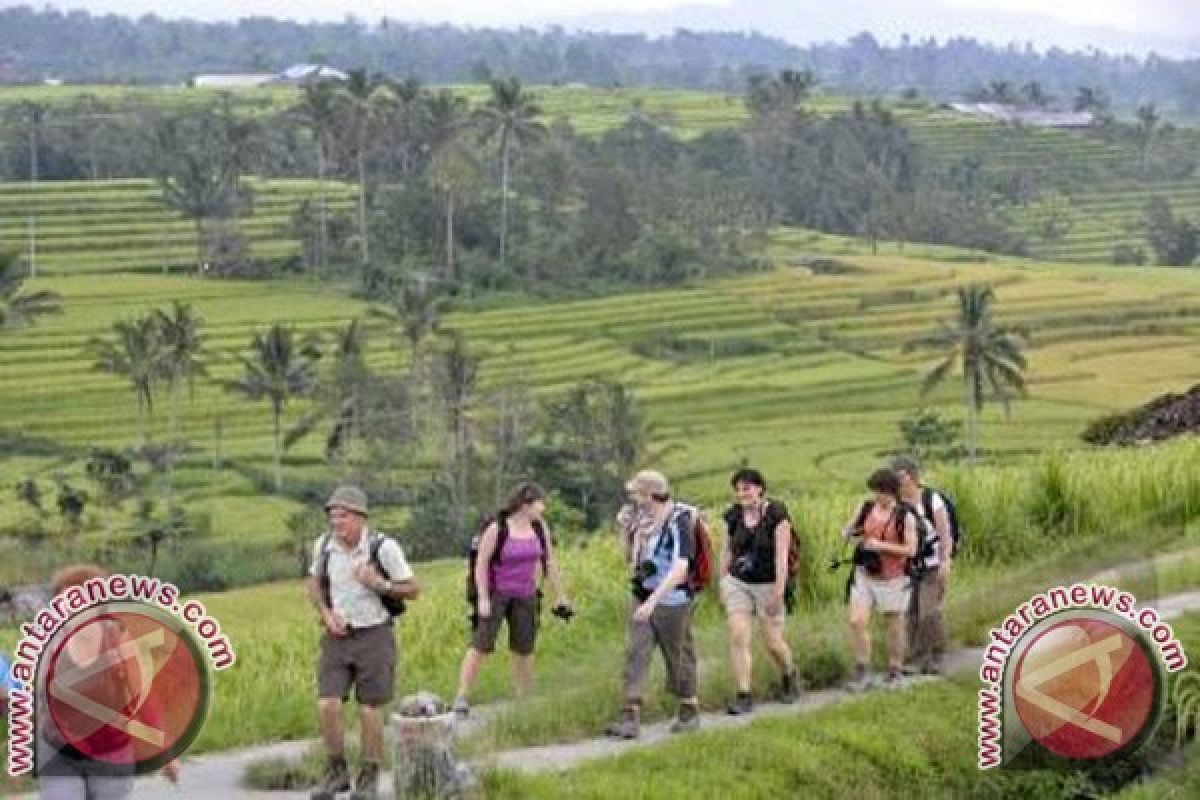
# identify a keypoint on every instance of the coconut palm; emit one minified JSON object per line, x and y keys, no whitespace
{"x":510,"y":118}
{"x":136,"y":354}
{"x":279,"y":368}
{"x":364,"y":98}
{"x":453,"y":168}
{"x":19,"y":309}
{"x":181,"y":362}
{"x":992,"y":357}
{"x":318,"y":111}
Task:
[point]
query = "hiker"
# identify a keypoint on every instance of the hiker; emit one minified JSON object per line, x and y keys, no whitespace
{"x":64,"y":772}
{"x":885,"y":535}
{"x":505,"y":575}
{"x":661,"y":550}
{"x":926,"y":622}
{"x":755,"y":583}
{"x":358,"y":581}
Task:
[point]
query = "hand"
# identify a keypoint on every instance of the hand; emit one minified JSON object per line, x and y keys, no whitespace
{"x":643,"y":612}
{"x":870,"y":545}
{"x":334,"y":622}
{"x":170,"y":770}
{"x":368,"y":576}
{"x":484,"y":607}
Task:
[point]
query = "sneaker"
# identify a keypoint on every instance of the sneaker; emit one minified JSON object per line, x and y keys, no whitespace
{"x":743,"y":703}
{"x":626,"y":727}
{"x":862,"y":680}
{"x":789,"y":688}
{"x":366,"y":783}
{"x":336,"y":779}
{"x":893,"y":678}
{"x":688,"y":719}
{"x":933,"y":667}
{"x":461,"y":707}
{"x":911,"y":669}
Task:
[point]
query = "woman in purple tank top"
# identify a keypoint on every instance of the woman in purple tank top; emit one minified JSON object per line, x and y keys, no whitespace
{"x":511,"y":550}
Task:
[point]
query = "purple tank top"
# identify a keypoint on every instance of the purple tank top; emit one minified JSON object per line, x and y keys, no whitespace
{"x":515,"y":574}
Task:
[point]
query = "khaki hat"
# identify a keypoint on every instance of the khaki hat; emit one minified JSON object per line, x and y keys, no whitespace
{"x":649,"y":481}
{"x":350,"y":498}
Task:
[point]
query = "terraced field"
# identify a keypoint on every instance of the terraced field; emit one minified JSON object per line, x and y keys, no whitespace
{"x":124,"y":226}
{"x":815,"y":400}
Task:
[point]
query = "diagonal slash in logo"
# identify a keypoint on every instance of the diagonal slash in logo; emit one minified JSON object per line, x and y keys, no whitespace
{"x":1099,"y":653}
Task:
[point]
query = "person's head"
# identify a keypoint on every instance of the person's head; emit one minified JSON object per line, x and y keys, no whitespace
{"x":528,"y":498}
{"x":347,"y":509}
{"x":648,"y":488}
{"x":749,"y":485}
{"x":75,"y":575}
{"x":908,"y":472}
{"x":885,"y":485}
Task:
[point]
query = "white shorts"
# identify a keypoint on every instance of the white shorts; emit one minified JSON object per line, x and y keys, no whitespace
{"x":891,"y":596}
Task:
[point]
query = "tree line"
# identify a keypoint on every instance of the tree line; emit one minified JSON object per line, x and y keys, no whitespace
{"x":82,"y":47}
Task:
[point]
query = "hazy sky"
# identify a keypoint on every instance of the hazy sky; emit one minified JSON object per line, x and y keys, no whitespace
{"x":1134,"y":24}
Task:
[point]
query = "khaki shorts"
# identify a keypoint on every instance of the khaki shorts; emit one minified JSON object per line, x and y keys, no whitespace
{"x":891,"y":596}
{"x":365,"y":659}
{"x":521,"y":613}
{"x":748,"y":598}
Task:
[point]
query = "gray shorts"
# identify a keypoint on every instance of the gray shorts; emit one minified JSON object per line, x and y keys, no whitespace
{"x":740,"y":597}
{"x":521,"y":613}
{"x":364,"y":659}
{"x":890,"y":596}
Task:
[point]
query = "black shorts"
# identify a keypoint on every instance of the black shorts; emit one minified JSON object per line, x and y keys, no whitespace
{"x":521,"y":613}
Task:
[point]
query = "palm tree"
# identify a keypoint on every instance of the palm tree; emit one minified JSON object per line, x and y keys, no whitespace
{"x":1035,"y":94}
{"x":318,"y":111}
{"x":136,"y":354}
{"x":992,"y":357}
{"x":1089,"y":98}
{"x":453,"y":167}
{"x":456,"y":378}
{"x":509,"y":117}
{"x":416,"y":310}
{"x":19,"y":309}
{"x":181,"y":363}
{"x":1148,"y":119}
{"x":278,"y":369}
{"x":364,"y":97}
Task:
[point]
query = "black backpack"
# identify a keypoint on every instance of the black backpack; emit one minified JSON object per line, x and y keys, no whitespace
{"x":956,"y":531}
{"x":395,"y":606}
{"x":501,"y":536}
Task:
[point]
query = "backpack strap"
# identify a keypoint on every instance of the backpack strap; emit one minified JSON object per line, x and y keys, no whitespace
{"x":323,"y":569}
{"x":501,"y":537}
{"x":376,"y":544}
{"x":865,"y":509}
{"x":927,"y":495}
{"x":540,"y":531}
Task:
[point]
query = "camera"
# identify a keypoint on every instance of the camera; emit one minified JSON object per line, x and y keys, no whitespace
{"x":642,"y":572}
{"x":563,"y":612}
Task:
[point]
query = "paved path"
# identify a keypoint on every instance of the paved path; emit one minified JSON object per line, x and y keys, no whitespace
{"x":218,"y":775}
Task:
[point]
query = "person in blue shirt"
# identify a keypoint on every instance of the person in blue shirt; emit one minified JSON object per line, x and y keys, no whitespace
{"x":660,"y":551}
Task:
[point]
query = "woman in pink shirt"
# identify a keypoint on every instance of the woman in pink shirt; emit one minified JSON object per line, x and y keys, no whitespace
{"x":511,"y":549}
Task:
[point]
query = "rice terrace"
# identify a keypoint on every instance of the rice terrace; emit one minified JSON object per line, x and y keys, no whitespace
{"x":441,"y":262}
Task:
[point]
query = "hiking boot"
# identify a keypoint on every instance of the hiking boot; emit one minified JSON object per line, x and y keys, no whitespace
{"x":461,"y":707}
{"x":366,"y":783}
{"x":743,"y":703}
{"x":932,"y":667}
{"x":892,"y":680}
{"x":912,"y":669}
{"x":626,"y":727}
{"x":688,"y":719}
{"x":789,"y":687}
{"x":862,"y":680}
{"x":336,"y":779}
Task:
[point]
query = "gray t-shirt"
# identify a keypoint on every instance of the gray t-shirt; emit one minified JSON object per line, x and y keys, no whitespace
{"x":359,"y":605}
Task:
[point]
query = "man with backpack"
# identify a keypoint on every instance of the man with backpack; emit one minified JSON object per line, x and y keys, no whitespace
{"x":358,"y":582}
{"x":926,"y":622}
{"x":885,"y":534}
{"x":503,"y":588}
{"x":665,"y":552}
{"x":757,"y":568}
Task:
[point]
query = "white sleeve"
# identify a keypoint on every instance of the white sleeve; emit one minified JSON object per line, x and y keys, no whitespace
{"x":938,"y":503}
{"x":391,"y":556}
{"x":316,"y":556}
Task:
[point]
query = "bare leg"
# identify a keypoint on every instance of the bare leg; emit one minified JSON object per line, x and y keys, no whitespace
{"x":329,"y":711}
{"x":372,"y":734}
{"x":741,"y":626}
{"x":860,"y":636}
{"x":471,"y":663}
{"x":777,"y":646}
{"x":522,"y":667}
{"x":897,"y":629}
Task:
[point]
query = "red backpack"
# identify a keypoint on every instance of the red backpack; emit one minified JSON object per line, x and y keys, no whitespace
{"x":700,"y":568}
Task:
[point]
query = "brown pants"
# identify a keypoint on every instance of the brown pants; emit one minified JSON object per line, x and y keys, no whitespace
{"x":364,"y":659}
{"x":671,"y":630}
{"x":926,"y":623}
